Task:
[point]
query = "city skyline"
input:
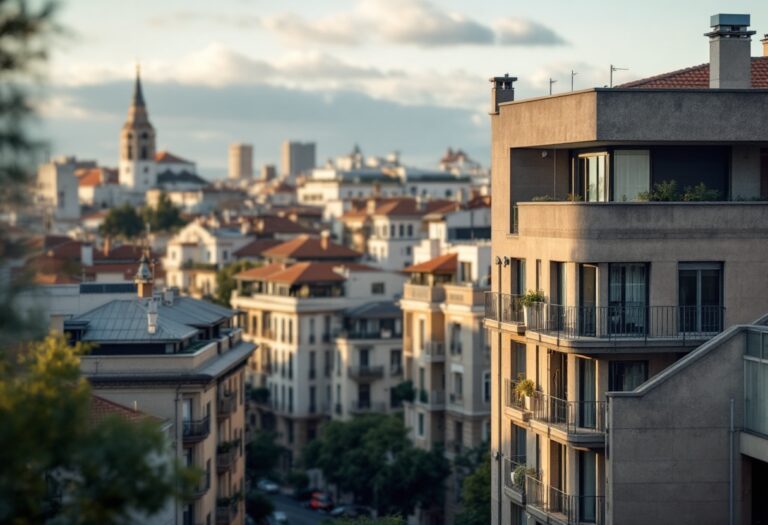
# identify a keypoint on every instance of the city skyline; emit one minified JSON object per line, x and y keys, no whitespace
{"x":295,"y":71}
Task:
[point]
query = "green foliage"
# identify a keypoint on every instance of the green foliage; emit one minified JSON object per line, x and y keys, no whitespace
{"x":372,"y":457}
{"x":665,"y":191}
{"x":259,"y":394}
{"x":524,"y":387}
{"x":532,"y":297}
{"x":574,"y":197}
{"x":519,"y":474}
{"x":298,"y":480}
{"x":543,"y":198}
{"x":225,"y":280}
{"x":700,"y":193}
{"x":383,"y":520}
{"x":405,"y":391}
{"x":122,"y":222}
{"x":58,"y":463}
{"x":476,"y":496}
{"x":263,"y":455}
{"x":258,"y":506}
{"x":165,"y":217}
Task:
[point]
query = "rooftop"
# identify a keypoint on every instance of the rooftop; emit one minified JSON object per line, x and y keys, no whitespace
{"x":166,"y":157}
{"x":697,"y":77}
{"x":306,"y":248}
{"x":442,"y":264}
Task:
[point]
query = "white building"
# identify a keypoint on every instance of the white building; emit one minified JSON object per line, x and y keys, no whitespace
{"x":57,"y":189}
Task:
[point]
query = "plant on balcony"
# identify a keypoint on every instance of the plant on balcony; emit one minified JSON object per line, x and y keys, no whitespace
{"x":532,"y":297}
{"x":223,"y":502}
{"x":519,"y":474}
{"x":524,"y":387}
{"x":574,"y":197}
{"x":259,"y":395}
{"x":542,"y":198}
{"x":700,"y":193}
{"x":224,"y":447}
{"x":405,"y":392}
{"x":423,"y":396}
{"x":664,"y":191}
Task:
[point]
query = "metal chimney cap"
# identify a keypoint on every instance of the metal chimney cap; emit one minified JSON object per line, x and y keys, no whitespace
{"x":725,"y":19}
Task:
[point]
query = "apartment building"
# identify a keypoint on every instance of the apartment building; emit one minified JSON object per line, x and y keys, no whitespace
{"x":183,"y":361}
{"x":57,"y":190}
{"x":240,"y":161}
{"x":296,"y":158}
{"x":446,"y":357}
{"x":293,"y":311}
{"x":638,"y":213}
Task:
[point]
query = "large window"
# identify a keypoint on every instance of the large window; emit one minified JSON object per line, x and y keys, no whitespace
{"x":631,"y":173}
{"x":700,"y":289}
{"x":624,"y":376}
{"x":593,"y":169}
{"x":627,"y":293}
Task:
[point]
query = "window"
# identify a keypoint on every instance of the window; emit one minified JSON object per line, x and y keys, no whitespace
{"x":290,"y":366}
{"x":486,"y":387}
{"x":700,"y":289}
{"x":455,"y":338}
{"x":587,"y":462}
{"x":421,"y":425}
{"x":410,"y":230}
{"x":538,"y":274}
{"x":143,"y":153}
{"x":289,"y":430}
{"x":593,"y":176}
{"x":408,"y":250}
{"x":312,"y":400}
{"x":290,"y":330}
{"x":518,"y":360}
{"x":311,"y":364}
{"x":225,"y":255}
{"x":624,"y":376}
{"x":377,"y":288}
{"x":458,"y":386}
{"x":465,"y":272}
{"x":421,"y":378}
{"x":401,"y":231}
{"x":557,"y":283}
{"x":311,"y":337}
{"x":517,"y":277}
{"x":290,"y":399}
{"x":392,"y":230}
{"x":395,"y":362}
{"x":422,"y":334}
{"x":631,"y":173}
{"x":627,"y":293}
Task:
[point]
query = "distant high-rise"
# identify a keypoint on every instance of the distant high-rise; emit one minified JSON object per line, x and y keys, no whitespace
{"x":268,"y":172}
{"x":240,"y":161}
{"x":297,"y":158}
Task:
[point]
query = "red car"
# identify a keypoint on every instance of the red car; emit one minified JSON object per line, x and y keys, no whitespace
{"x":320,"y":501}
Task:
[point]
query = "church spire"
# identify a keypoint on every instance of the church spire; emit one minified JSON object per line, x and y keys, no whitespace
{"x":138,"y":95}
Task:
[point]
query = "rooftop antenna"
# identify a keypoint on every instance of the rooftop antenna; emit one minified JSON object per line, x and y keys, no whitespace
{"x":551,"y":81}
{"x":614,"y":68}
{"x":573,"y":74}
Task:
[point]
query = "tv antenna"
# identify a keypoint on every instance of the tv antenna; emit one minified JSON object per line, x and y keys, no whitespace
{"x":573,"y":74}
{"x":614,"y":68}
{"x":551,"y":81}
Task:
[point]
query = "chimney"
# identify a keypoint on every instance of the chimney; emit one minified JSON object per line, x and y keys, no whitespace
{"x":324,"y":239}
{"x":106,"y":246}
{"x":86,"y":254}
{"x":143,"y":278}
{"x":765,"y":45}
{"x":730,"y":62}
{"x":502,"y":91}
{"x":169,"y":294}
{"x":152,"y":316}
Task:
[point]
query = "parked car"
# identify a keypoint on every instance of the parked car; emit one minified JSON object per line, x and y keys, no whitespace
{"x":268,"y":486}
{"x":279,"y":518}
{"x":320,"y":501}
{"x":351,"y":511}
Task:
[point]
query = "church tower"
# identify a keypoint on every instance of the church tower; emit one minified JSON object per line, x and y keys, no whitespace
{"x":138,"y":170}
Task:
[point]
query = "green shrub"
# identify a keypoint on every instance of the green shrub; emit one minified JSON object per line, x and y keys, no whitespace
{"x":532,"y":297}
{"x":700,"y":193}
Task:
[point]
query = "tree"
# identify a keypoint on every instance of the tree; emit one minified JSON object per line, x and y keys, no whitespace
{"x":225,"y":280}
{"x":263,"y":455}
{"x":372,"y":458}
{"x":122,"y":222}
{"x":258,"y":506}
{"x":165,"y":217}
{"x":61,"y":466}
{"x":476,"y":496}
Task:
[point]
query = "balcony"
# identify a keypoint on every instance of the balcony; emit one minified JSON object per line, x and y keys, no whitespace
{"x":364,"y":407}
{"x":434,"y":400}
{"x":463,"y":295}
{"x":226,"y":511}
{"x":384,"y":333}
{"x":226,"y":456}
{"x":424,"y":293}
{"x":515,"y":470}
{"x":551,"y":504}
{"x":512,"y":399}
{"x":585,"y":324}
{"x":577,"y":421}
{"x":456,"y":399}
{"x":226,"y":405}
{"x":365,"y":373}
{"x":509,"y":311}
{"x":432,"y":352}
{"x":455,"y":347}
{"x":202,"y":488}
{"x":195,"y":430}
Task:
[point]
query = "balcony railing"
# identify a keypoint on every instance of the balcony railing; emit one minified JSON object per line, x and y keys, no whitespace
{"x":572,"y":416}
{"x":434,"y":398}
{"x":456,"y":399}
{"x":455,"y":347}
{"x":194,"y":430}
{"x":511,"y":398}
{"x":565,"y":507}
{"x":227,"y":404}
{"x":226,"y":457}
{"x":226,"y":513}
{"x":365,"y":372}
{"x":360,"y":406}
{"x":509,"y":311}
{"x":421,"y":292}
{"x":514,"y":473}
{"x":384,"y":333}
{"x":433,"y":350}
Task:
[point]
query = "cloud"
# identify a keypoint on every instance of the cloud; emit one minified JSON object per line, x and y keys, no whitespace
{"x":406,"y":22}
{"x":191,"y":18}
{"x":521,"y":32}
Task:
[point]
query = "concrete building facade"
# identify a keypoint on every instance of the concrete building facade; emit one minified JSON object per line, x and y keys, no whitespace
{"x":240,"y":161}
{"x":297,"y":158}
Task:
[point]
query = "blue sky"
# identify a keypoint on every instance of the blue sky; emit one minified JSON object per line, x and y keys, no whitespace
{"x":406,"y":75}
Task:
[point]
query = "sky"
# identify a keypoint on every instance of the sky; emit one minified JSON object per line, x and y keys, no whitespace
{"x":390,"y":75}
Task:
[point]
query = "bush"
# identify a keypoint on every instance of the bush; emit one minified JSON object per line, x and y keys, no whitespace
{"x":543,"y":198}
{"x":533,"y":297}
{"x":700,"y":193}
{"x":524,"y":387}
{"x":405,"y":391}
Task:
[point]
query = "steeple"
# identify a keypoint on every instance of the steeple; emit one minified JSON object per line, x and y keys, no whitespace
{"x":138,"y":170}
{"x":137,"y":112}
{"x":138,"y":95}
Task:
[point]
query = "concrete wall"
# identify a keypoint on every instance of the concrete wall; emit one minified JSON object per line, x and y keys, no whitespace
{"x":669,"y":460}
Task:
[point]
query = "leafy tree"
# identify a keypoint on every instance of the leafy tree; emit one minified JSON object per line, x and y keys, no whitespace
{"x":122,"y":222}
{"x":165,"y":217}
{"x":258,"y":506}
{"x":373,"y":458}
{"x":263,"y":455}
{"x":225,"y":280}
{"x":61,"y":466}
{"x":476,"y":496}
{"x":405,"y":391}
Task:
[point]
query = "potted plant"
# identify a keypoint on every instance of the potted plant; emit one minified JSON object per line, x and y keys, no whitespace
{"x":518,"y":476}
{"x":524,"y":389}
{"x":529,"y":300}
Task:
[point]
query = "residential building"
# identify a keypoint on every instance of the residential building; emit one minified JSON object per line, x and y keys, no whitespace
{"x":306,"y":248}
{"x":99,"y":187}
{"x":296,"y":158}
{"x":181,"y":360}
{"x":138,"y":168}
{"x":268,"y":172}
{"x":293,"y":312}
{"x":240,"y":161}
{"x":447,"y":358}
{"x":167,"y":162}
{"x":626,"y":287}
{"x":57,"y":190}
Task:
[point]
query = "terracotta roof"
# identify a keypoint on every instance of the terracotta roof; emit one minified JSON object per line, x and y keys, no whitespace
{"x":283,"y":187}
{"x":360,"y":267}
{"x":308,"y":248}
{"x":270,"y":224}
{"x":261,"y":273}
{"x":54,"y":278}
{"x":697,"y":77}
{"x":166,"y":157}
{"x":479,"y":201}
{"x":441,"y":264}
{"x":87,"y":177}
{"x":408,"y":206}
{"x":307,"y":273}
{"x":102,"y":408}
{"x":256,"y":248}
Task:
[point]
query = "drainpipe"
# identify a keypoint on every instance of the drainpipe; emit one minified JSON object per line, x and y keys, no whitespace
{"x":177,"y":431}
{"x":730,"y":464}
{"x":497,"y":454}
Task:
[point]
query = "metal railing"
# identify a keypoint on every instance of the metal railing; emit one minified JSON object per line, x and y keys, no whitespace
{"x":194,"y":430}
{"x":225,"y":458}
{"x":226,"y":405}
{"x":455,"y":347}
{"x":572,"y":416}
{"x":366,"y":372}
{"x":514,"y":473}
{"x":616,"y":322}
{"x":572,"y":508}
{"x":509,"y":311}
{"x":433,"y":349}
{"x":435,"y":397}
{"x":511,"y":398}
{"x":226,"y":513}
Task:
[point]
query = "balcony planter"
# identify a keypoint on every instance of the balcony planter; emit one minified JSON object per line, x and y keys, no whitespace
{"x":525,"y":388}
{"x":530,"y":301}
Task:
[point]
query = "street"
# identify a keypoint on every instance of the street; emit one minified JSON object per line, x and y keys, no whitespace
{"x":297,"y":515}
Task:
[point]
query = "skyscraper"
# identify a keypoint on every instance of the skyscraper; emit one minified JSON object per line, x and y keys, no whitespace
{"x":296,"y":158}
{"x":240,"y":161}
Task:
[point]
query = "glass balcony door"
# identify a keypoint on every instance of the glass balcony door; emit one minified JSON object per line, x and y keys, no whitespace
{"x":587,"y":487}
{"x":627,"y":299}
{"x":588,"y":300}
{"x":700,"y":289}
{"x":593,"y":169}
